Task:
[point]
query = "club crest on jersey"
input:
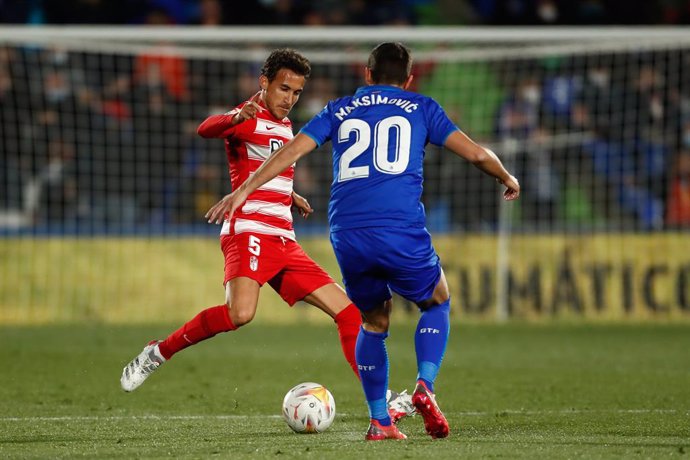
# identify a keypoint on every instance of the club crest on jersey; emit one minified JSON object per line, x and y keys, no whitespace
{"x":253,"y":263}
{"x":275,"y":144}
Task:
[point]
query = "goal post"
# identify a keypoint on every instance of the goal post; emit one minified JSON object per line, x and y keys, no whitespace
{"x":101,"y":170}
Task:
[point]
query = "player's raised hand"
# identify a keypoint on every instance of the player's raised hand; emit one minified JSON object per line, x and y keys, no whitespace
{"x":512,"y":191}
{"x":228,"y":204}
{"x":302,"y":205}
{"x":250,"y":109}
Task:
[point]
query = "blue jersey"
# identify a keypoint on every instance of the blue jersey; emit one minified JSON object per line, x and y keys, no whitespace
{"x":378,"y":136}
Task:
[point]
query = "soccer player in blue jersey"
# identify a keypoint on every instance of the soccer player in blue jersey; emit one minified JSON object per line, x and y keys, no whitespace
{"x":377,"y":221}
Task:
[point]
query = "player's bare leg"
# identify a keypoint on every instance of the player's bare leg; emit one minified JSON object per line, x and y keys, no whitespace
{"x":333,"y":300}
{"x":378,"y":318}
{"x":430,"y":340}
{"x":241,"y":297}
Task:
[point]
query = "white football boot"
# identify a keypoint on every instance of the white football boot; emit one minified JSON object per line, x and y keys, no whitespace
{"x":399,"y":405}
{"x":143,"y":365}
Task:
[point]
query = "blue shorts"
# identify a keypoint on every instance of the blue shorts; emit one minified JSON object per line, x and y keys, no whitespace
{"x":376,"y":260}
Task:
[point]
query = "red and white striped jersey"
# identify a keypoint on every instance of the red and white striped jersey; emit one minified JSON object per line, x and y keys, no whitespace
{"x":247,"y":146}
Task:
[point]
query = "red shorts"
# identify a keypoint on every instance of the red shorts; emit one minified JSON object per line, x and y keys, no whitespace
{"x":279,"y":261}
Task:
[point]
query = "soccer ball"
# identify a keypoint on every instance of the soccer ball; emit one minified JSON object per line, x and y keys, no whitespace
{"x":309,"y":408}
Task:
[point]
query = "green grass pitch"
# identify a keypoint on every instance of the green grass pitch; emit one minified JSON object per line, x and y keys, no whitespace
{"x":513,"y":391}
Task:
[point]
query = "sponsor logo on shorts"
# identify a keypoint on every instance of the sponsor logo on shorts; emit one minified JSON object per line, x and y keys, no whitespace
{"x":253,"y":263}
{"x":429,"y":330}
{"x":362,"y":367}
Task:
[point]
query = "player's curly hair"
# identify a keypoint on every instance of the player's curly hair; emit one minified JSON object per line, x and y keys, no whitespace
{"x":285,"y":58}
{"x":390,"y":63}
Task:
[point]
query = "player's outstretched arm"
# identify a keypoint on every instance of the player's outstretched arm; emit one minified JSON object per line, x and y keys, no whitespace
{"x":218,"y":126}
{"x":278,"y":162}
{"x":484,"y":159}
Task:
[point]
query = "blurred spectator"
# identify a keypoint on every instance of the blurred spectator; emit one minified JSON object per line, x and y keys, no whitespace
{"x":378,"y":12}
{"x":511,"y":12}
{"x":560,"y":90}
{"x":203,"y":176}
{"x":10,"y":134}
{"x":548,"y":12}
{"x":157,"y":141}
{"x":654,"y":109}
{"x":519,"y":129}
{"x":625,"y":152}
{"x":540,"y":177}
{"x":601,"y":100}
{"x":177,"y":11}
{"x":161,"y":66}
{"x":615,"y":164}
{"x":444,"y":12}
{"x":620,"y":12}
{"x":678,"y":205}
{"x":247,"y":84}
{"x":350,"y":12}
{"x":210,"y":13}
{"x":266,"y":12}
{"x":648,"y":99}
{"x":15,"y":12}
{"x":90,"y":11}
{"x":590,"y":12}
{"x":51,"y":196}
{"x":518,"y":116}
{"x":320,"y":90}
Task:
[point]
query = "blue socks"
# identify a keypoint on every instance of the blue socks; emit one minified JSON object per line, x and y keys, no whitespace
{"x":430,"y":340}
{"x":372,"y":362}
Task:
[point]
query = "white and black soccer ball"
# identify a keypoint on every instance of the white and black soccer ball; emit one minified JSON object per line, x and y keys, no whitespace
{"x":309,"y":408}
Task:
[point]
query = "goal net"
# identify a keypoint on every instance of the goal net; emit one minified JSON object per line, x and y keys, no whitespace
{"x":104,"y":182}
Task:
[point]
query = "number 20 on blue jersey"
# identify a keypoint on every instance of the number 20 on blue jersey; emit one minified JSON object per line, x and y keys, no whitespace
{"x":381,"y":140}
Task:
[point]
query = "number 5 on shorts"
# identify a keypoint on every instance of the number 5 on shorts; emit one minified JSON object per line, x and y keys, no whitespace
{"x":254,"y":245}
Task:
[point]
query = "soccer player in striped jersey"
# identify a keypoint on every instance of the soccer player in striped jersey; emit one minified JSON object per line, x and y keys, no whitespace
{"x":259,"y":241}
{"x":377,"y":221}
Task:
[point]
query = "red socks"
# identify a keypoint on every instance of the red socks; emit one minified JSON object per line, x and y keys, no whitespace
{"x":349,"y":320}
{"x":203,"y":326}
{"x":217,"y":319}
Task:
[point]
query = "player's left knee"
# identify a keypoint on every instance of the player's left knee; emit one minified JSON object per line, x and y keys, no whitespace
{"x":241,"y":316}
{"x":440,"y":295}
{"x":377,"y":319}
{"x":379,"y":325}
{"x":434,"y":302}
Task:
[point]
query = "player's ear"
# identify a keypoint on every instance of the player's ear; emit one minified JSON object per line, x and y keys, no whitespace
{"x":367,"y":76}
{"x":408,"y":82}
{"x":263,"y":82}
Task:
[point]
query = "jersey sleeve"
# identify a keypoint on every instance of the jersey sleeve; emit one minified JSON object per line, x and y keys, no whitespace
{"x":219,"y":126}
{"x":440,"y":126}
{"x":319,"y":127}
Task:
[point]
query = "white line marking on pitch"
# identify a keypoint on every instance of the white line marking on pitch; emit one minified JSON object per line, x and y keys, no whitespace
{"x":133,"y":417}
{"x":231,"y":417}
{"x":577,"y":411}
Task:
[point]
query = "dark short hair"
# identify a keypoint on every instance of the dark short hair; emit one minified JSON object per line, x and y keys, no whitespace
{"x":390,"y":63}
{"x":285,"y":58}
